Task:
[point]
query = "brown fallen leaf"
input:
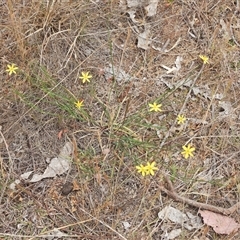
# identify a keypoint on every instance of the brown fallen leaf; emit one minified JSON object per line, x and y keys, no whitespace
{"x":221,"y":224}
{"x":76,"y":186}
{"x":61,"y":133}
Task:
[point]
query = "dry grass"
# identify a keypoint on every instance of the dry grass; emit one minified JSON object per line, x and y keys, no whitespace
{"x":52,"y":43}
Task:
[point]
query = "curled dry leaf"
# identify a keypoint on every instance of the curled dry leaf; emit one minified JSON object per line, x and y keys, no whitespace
{"x":174,"y":233}
{"x":174,"y":69}
{"x":58,"y":165}
{"x":144,"y":39}
{"x":76,"y":186}
{"x":61,"y":133}
{"x":135,"y":3}
{"x":220,"y":224}
{"x":126,"y":225}
{"x":119,"y":74}
{"x":56,"y":233}
{"x":151,"y":9}
{"x":188,"y":220}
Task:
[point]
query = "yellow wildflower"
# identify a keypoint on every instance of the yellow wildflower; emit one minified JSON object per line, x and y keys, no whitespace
{"x":79,"y":104}
{"x":188,"y":151}
{"x":155,"y":107}
{"x":85,"y":77}
{"x":11,"y":69}
{"x":204,"y":58}
{"x":141,"y":169}
{"x":150,"y":168}
{"x":181,"y":119}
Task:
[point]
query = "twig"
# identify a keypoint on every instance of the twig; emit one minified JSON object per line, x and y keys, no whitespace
{"x":174,"y":195}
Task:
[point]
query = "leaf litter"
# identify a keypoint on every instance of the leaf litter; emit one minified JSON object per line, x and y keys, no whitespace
{"x":188,"y":220}
{"x":144,"y":39}
{"x":56,"y":167}
{"x":220,"y":224}
{"x":150,"y":6}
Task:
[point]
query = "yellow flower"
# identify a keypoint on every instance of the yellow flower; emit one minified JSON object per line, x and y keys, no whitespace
{"x":155,"y":107}
{"x":141,"y":169}
{"x":188,"y":151}
{"x":85,"y":77}
{"x":204,"y":58}
{"x":12,"y":69}
{"x":181,"y":119}
{"x":79,"y":104}
{"x":150,"y":168}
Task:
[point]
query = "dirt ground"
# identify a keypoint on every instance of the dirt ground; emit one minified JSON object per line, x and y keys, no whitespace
{"x":101,"y":195}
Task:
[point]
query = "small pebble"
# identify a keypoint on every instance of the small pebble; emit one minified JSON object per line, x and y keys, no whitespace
{"x":67,"y":188}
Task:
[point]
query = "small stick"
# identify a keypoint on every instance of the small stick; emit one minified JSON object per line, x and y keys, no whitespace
{"x":173,"y":194}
